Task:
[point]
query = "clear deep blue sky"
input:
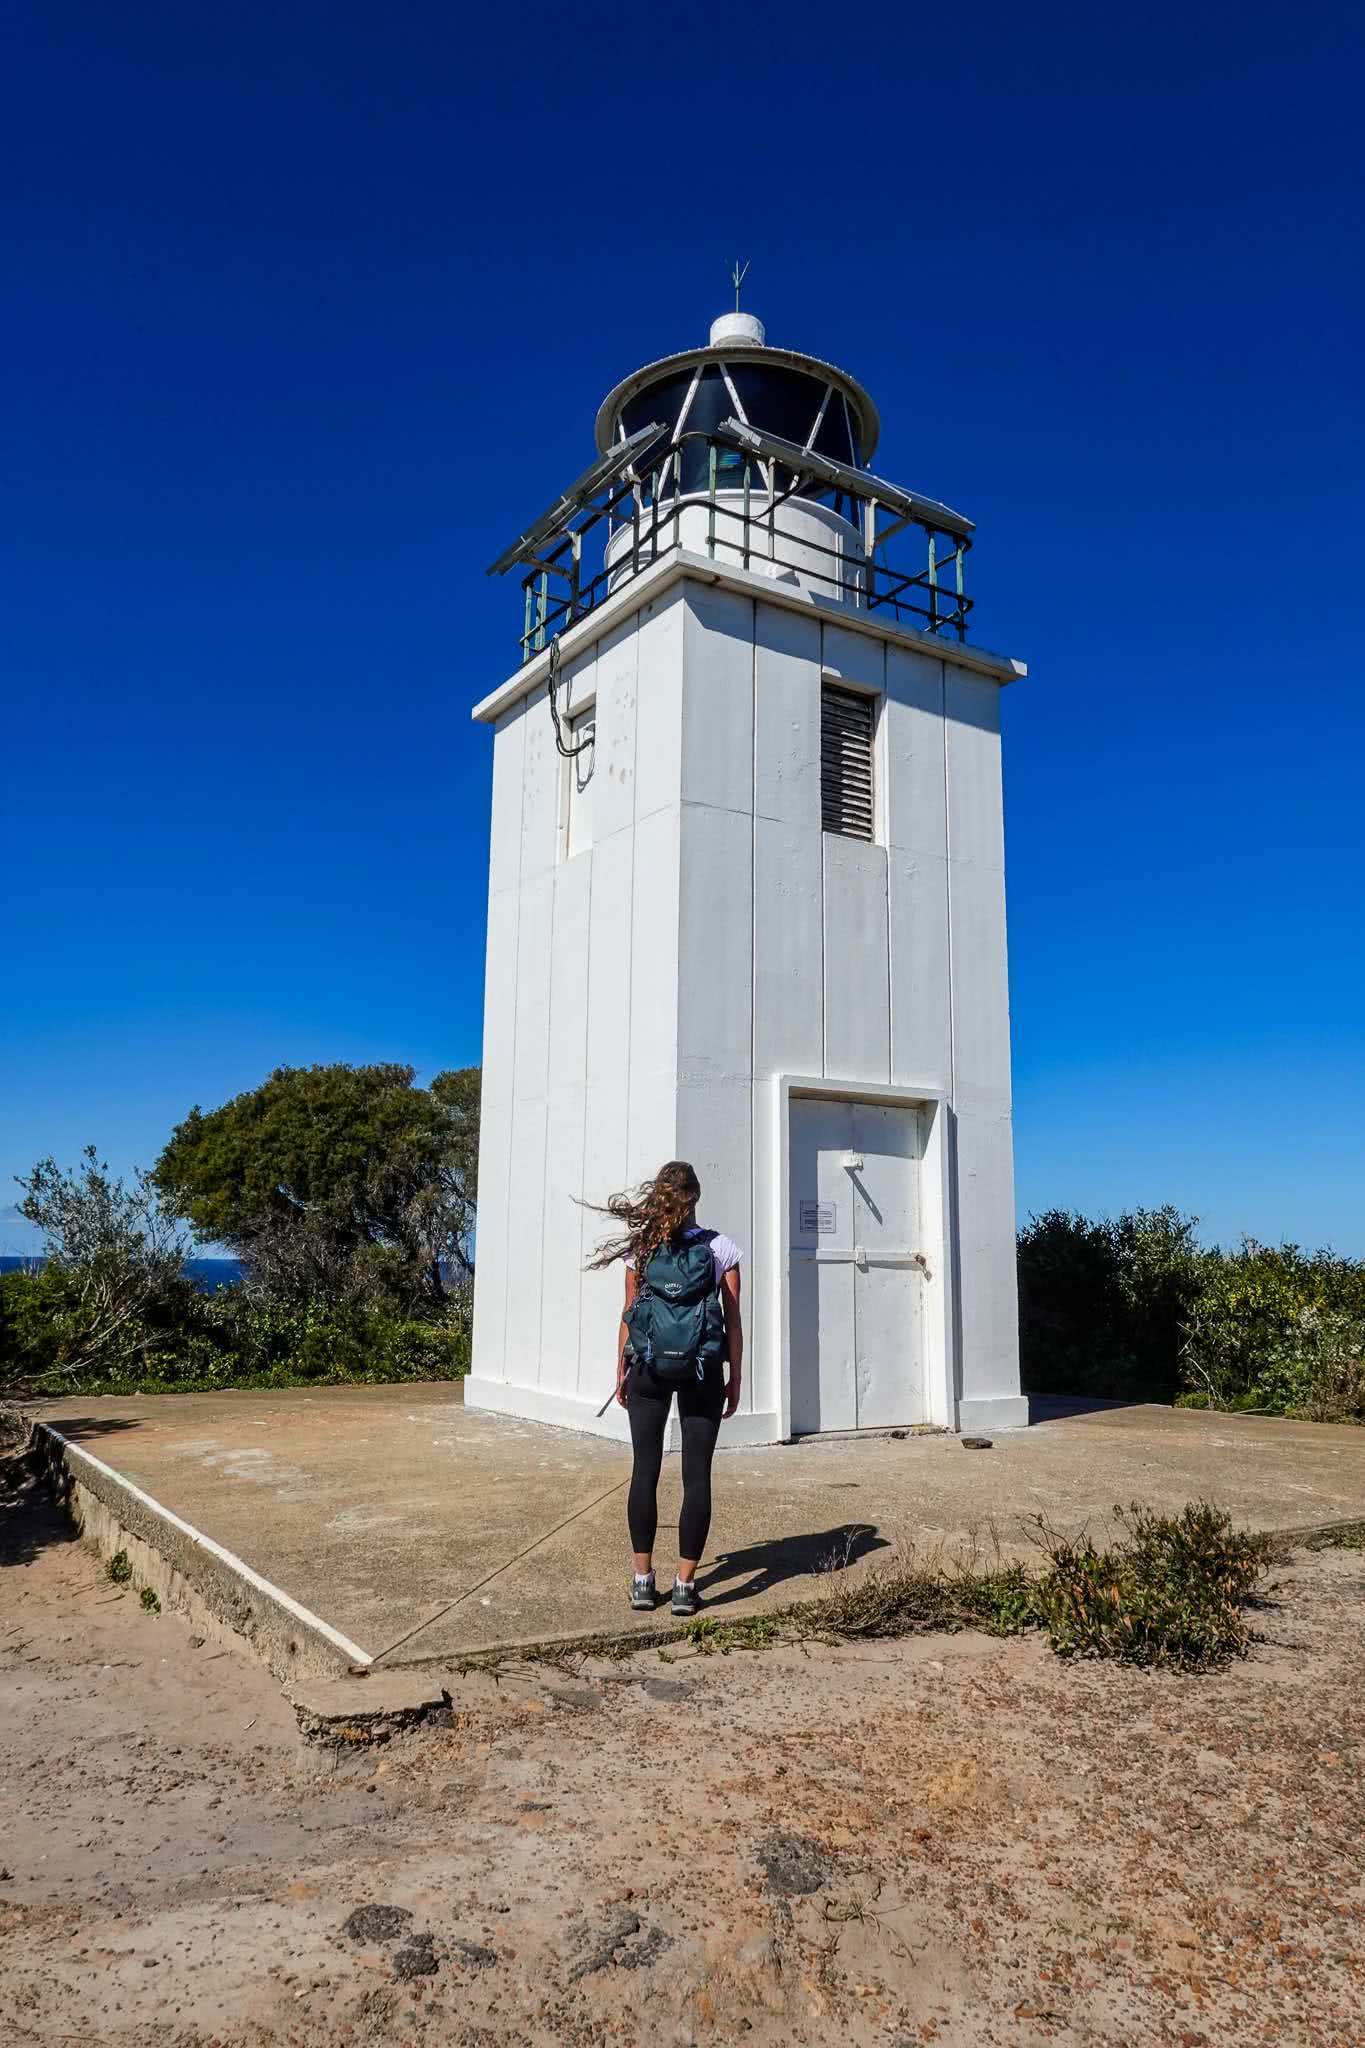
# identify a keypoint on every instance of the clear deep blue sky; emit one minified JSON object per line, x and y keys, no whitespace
{"x":308,"y":308}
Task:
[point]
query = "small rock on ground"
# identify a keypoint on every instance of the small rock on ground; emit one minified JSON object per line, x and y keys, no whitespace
{"x":474,"y":1954}
{"x":665,"y":1688}
{"x":416,"y":1958}
{"x":794,"y":1865}
{"x":376,"y":1923}
{"x":613,"y":1943}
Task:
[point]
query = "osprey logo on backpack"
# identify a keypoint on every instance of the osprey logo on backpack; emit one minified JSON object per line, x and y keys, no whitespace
{"x":676,"y":1323}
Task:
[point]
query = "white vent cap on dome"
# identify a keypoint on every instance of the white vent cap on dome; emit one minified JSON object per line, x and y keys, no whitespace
{"x":738,"y":330}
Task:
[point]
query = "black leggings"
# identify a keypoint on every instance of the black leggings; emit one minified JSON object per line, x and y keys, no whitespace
{"x":699,"y":1412}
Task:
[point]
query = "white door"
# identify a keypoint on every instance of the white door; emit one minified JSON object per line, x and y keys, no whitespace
{"x":887,"y":1278}
{"x":857,"y":1352}
{"x":824,"y":1380}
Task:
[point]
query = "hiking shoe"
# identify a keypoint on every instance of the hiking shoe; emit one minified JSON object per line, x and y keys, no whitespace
{"x":643,"y":1593}
{"x":686,"y":1599}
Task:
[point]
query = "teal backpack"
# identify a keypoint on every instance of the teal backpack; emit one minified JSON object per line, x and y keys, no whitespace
{"x":676,"y":1323}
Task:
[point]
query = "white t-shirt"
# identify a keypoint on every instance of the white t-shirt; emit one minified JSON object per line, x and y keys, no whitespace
{"x":725,"y":1253}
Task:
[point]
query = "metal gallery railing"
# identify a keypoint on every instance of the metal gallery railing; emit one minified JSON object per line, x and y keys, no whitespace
{"x":721,"y":493}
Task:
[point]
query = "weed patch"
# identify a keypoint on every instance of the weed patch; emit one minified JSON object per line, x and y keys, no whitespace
{"x":1346,"y":1536}
{"x":911,"y":1595}
{"x":118,"y":1569}
{"x":710,"y":1637}
{"x":150,"y":1603}
{"x":1173,"y":1593}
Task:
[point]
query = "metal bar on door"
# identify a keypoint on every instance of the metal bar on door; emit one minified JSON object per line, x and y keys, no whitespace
{"x":862,"y":1255}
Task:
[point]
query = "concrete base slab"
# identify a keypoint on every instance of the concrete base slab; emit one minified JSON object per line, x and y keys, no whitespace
{"x":415,"y":1532}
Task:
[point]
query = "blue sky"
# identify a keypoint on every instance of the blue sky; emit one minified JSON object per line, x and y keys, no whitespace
{"x":307,"y":308}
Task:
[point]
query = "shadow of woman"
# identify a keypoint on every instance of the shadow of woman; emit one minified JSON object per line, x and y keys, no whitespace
{"x":787,"y":1557}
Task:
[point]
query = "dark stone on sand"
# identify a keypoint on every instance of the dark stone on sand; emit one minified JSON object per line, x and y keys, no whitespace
{"x":642,"y":1954}
{"x":416,"y":1958}
{"x":665,"y":1688}
{"x":613,"y":1944}
{"x":474,"y":1955}
{"x":376,"y":1923}
{"x":794,"y":1865}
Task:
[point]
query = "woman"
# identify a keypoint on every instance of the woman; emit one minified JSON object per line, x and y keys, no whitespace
{"x":681,"y":1333}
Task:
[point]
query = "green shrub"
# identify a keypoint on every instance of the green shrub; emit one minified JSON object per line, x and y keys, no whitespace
{"x":1103,"y":1304}
{"x":1333,"y":1345}
{"x":1131,"y":1308}
{"x":1171,"y":1592}
{"x":30,"y":1302}
{"x":1277,"y":1329}
{"x":1006,"y":1602}
{"x":231,"y":1338}
{"x":1174,"y":1593}
{"x":56,"y":1330}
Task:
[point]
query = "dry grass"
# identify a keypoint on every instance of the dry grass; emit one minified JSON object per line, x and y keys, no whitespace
{"x":1173,"y":1590}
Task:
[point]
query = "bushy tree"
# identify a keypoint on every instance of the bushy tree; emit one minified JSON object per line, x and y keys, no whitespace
{"x":336,"y":1183}
{"x":1103,"y":1303}
{"x":1277,"y":1327}
{"x":114,"y":1273}
{"x":1131,"y":1307}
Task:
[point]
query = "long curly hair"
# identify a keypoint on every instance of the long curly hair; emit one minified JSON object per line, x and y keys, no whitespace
{"x":652,"y":1214}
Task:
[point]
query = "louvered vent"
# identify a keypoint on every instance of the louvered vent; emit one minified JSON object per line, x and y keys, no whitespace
{"x":846,"y":726}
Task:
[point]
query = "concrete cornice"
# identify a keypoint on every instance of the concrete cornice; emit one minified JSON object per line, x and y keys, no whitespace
{"x":679,"y":565}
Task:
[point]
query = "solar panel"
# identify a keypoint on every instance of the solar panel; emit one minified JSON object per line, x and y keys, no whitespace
{"x":860,"y":483}
{"x":580,"y":493}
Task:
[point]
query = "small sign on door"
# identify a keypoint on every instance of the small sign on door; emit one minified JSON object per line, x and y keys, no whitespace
{"x":820,"y":1217}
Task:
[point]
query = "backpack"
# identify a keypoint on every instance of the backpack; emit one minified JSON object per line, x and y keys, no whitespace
{"x":676,"y":1323}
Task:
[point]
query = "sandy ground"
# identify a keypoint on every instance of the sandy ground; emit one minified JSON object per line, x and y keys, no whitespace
{"x":948,"y":1840}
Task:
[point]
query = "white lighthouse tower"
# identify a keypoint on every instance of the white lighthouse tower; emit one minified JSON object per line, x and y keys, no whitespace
{"x":747,"y":907}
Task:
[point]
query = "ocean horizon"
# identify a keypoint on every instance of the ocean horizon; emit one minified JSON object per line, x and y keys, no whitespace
{"x":207,"y":1274}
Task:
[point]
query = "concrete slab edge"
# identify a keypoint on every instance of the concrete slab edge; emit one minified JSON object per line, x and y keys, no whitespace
{"x":547,"y":1649}
{"x":616,"y":1644}
{"x":189,"y":1570}
{"x":358,"y":1712}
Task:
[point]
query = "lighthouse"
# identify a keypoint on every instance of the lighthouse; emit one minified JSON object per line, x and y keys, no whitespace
{"x":746,"y":907}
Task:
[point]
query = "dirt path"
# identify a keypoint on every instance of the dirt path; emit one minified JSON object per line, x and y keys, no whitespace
{"x":948,"y":1840}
